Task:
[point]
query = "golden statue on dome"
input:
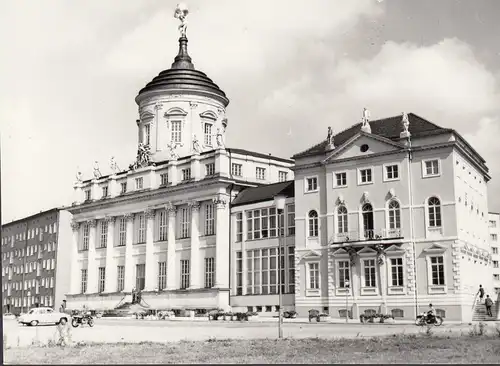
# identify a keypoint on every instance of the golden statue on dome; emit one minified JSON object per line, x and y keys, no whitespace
{"x":181,"y":13}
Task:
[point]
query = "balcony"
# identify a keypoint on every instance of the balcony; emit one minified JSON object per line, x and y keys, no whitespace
{"x":366,"y":235}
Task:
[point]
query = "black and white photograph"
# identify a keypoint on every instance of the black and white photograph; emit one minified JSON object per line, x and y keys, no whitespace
{"x":250,"y":181}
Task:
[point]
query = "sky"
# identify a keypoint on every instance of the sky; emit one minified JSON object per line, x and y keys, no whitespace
{"x":70,"y":71}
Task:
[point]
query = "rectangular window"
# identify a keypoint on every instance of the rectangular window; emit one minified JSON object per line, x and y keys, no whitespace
{"x":120,"y":283}
{"x":162,"y":275}
{"x":344,"y":274}
{"x":392,"y":172}
{"x":437,"y":267}
{"x":209,"y":272}
{"x":493,"y":223}
{"x":83,"y":287}
{"x":291,"y":270}
{"x":311,"y":184}
{"x":239,"y":227}
{"x":102,"y":279}
{"x":282,"y":176}
{"x":139,"y":183}
{"x":209,"y":169}
{"x":186,"y":174}
{"x":260,"y":173}
{"x":141,"y":229}
{"x":163,"y":179}
{"x":123,"y":188}
{"x":122,"y":232}
{"x":397,"y":271}
{"x":495,"y":264}
{"x":184,"y":223}
{"x":88,"y":196}
{"x":365,"y":176}
{"x":184,"y":273}
{"x":341,"y":179}
{"x":209,"y":219}
{"x":239,"y":273}
{"x":176,"y":131}
{"x":370,"y":273}
{"x":162,"y":226}
{"x":236,"y":169}
{"x":494,"y":250}
{"x":208,"y":134}
{"x":313,"y":276}
{"x":431,"y":168}
{"x":104,"y":234}
{"x":496,"y":276}
{"x":290,"y":212}
{"x":262,"y":223}
{"x":86,"y":234}
{"x":147,"y":134}
{"x":104,"y":191}
{"x":493,"y":237}
{"x":140,"y":276}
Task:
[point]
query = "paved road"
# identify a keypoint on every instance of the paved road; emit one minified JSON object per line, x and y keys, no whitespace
{"x":125,"y":330}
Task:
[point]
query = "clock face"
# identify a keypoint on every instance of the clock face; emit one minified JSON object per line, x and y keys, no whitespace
{"x":364,"y":148}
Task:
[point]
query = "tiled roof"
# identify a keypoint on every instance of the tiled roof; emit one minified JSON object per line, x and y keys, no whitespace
{"x":389,"y":128}
{"x":264,"y":193}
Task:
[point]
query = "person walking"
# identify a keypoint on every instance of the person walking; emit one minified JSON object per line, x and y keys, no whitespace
{"x":481,"y":293}
{"x":488,"y":303}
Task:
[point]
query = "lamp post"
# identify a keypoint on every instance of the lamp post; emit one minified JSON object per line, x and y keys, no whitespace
{"x":279,"y":202}
{"x":346,"y":302}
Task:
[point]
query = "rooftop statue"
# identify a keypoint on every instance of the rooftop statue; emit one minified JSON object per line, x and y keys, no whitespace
{"x":97,"y":171}
{"x":196,"y":145}
{"x":114,"y":166}
{"x":143,"y":157}
{"x":406,"y":122}
{"x":79,"y":176}
{"x":173,"y":155}
{"x":181,"y":12}
{"x":329,"y":137}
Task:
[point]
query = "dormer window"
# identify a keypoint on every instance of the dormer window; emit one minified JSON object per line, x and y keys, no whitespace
{"x":104,"y":191}
{"x":186,"y":174}
{"x":123,"y":187}
{"x":139,"y":183}
{"x":164,"y":179}
{"x":176,"y":132}
{"x":87,"y":195}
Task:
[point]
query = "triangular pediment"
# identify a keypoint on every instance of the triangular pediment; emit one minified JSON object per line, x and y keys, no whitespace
{"x":435,"y":248}
{"x":367,"y":251}
{"x":356,"y":146}
{"x":311,"y":254}
{"x":394,"y":250}
{"x":341,"y":252}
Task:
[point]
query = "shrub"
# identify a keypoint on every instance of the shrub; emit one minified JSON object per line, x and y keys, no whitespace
{"x":290,"y":314}
{"x":365,"y":318}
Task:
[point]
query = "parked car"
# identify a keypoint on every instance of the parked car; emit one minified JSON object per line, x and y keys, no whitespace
{"x":43,"y":316}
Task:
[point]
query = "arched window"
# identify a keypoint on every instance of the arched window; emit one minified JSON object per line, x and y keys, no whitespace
{"x":394,"y":215}
{"x":434,"y":212}
{"x":368,"y":224}
{"x":313,"y":223}
{"x":342,"y":226}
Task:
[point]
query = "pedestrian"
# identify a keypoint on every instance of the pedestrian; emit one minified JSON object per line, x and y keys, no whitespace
{"x":481,"y":293}
{"x":488,"y":303}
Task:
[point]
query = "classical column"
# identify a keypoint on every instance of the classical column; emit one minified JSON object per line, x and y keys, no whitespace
{"x":91,"y":262}
{"x":75,"y":268}
{"x":111,"y":273}
{"x":171,"y":257}
{"x":151,"y":282}
{"x":221,"y":243}
{"x":129,"y":270}
{"x":196,"y":265}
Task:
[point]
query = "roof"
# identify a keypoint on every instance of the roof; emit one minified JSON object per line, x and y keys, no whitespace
{"x":258,"y":155}
{"x":27,"y":218}
{"x":183,"y":76}
{"x":264,"y":193}
{"x":389,"y":128}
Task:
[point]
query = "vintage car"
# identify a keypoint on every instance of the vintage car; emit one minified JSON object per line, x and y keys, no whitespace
{"x":43,"y":315}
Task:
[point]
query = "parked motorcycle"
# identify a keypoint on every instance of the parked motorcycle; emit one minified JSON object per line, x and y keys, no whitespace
{"x":82,"y":319}
{"x":423,"y":319}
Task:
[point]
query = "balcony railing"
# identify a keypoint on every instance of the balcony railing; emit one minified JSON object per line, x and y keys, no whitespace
{"x":366,"y":235}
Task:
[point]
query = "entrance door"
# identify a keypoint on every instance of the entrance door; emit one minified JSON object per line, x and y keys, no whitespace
{"x":368,"y":226}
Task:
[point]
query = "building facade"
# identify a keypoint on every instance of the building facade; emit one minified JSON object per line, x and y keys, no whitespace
{"x":256,"y":243}
{"x":494,"y":222}
{"x":394,"y":214}
{"x":162,"y":226}
{"x":35,"y":269}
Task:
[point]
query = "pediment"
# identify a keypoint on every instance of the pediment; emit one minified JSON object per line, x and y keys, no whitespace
{"x":341,"y":252}
{"x":353,"y":147}
{"x":209,"y":115}
{"x":367,"y":251}
{"x":435,"y":248}
{"x":394,"y":250}
{"x":175,"y":111}
{"x":146,"y":116}
{"x":311,"y":254}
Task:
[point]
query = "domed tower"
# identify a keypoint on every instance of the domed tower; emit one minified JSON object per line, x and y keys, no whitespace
{"x":182,"y":111}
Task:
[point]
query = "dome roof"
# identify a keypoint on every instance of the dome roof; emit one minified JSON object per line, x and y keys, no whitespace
{"x":182,"y":76}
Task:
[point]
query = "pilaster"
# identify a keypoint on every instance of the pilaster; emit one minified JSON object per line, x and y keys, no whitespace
{"x":75,"y":268}
{"x":221,"y":243}
{"x":113,"y":189}
{"x":150,"y":265}
{"x":129,"y":270}
{"x":222,"y":162}
{"x":195,"y":262}
{"x":78,"y":193}
{"x":95,"y":193}
{"x":171,"y":256}
{"x":154,"y":182}
{"x":111,"y":273}
{"x":91,"y":261}
{"x":195,"y":167}
{"x":172,"y":172}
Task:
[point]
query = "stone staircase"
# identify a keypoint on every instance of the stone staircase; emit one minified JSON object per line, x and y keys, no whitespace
{"x":479,"y":312}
